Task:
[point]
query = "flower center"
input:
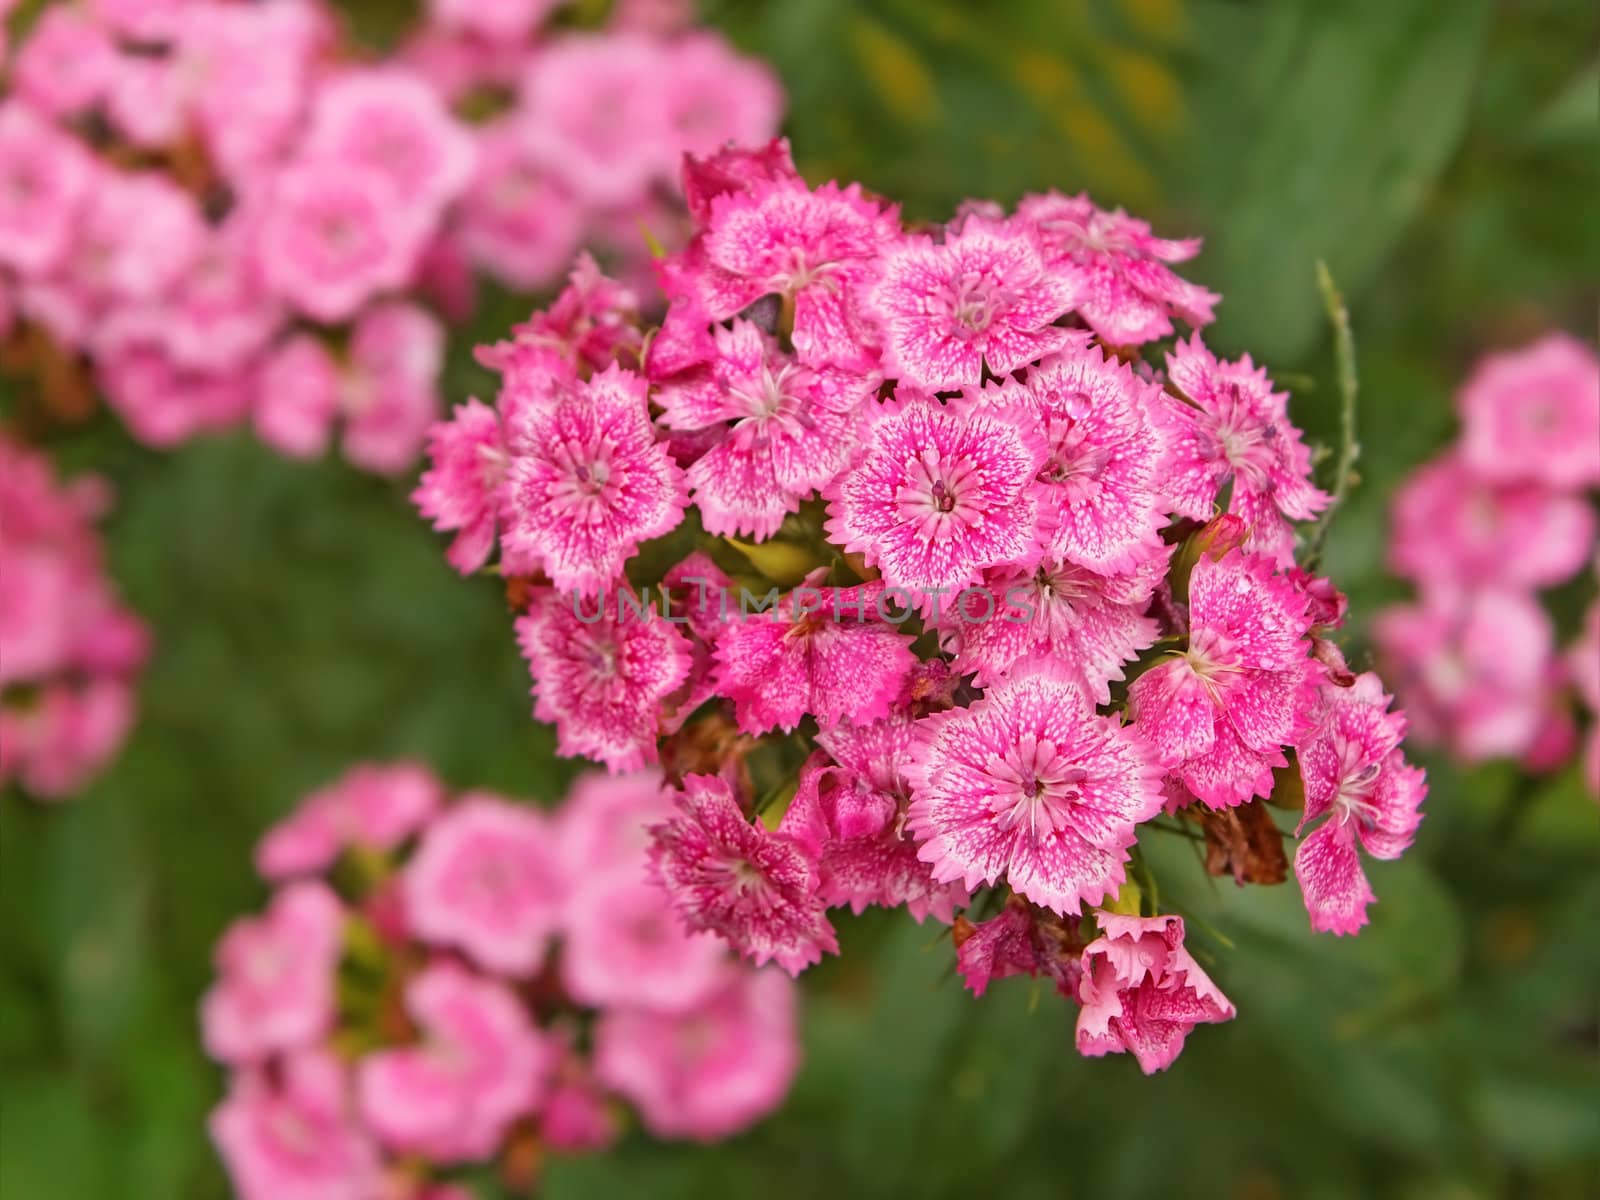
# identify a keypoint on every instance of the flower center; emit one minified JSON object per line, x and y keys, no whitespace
{"x":1035,"y":787}
{"x":973,"y":303}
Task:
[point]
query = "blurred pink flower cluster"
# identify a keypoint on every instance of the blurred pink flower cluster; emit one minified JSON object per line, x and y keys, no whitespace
{"x":909,"y":542}
{"x":230,"y":213}
{"x":1506,"y":512}
{"x":441,"y":982}
{"x":70,"y":652}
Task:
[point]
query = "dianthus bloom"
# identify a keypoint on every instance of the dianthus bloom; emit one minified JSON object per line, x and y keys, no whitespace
{"x":1220,"y":714}
{"x":1533,"y":415}
{"x":756,"y":888}
{"x":951,"y":619}
{"x":1142,"y":992}
{"x":1354,"y":775}
{"x":1030,"y":784}
{"x":69,"y":649}
{"x":398,"y":1028}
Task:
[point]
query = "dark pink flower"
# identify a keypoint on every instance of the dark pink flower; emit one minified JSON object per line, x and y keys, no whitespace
{"x":755,"y":888}
{"x":1117,"y":268}
{"x":1220,"y":713}
{"x":463,"y":490}
{"x":1142,"y":992}
{"x":1356,"y":777}
{"x":1019,"y":940}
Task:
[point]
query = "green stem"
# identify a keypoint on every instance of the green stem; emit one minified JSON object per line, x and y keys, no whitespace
{"x":1344,"y":350}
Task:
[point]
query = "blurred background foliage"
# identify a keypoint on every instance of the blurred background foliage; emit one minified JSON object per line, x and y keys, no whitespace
{"x":1441,"y":157}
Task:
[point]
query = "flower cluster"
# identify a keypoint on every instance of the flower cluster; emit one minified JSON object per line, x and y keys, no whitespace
{"x":225,"y":212}
{"x":1507,"y":511}
{"x":69,"y":650}
{"x":443,"y":982}
{"x":912,"y":544}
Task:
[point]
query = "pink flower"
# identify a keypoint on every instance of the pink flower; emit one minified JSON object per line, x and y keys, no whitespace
{"x":937,"y":494}
{"x":1234,"y":426}
{"x":387,"y":391}
{"x":332,"y":238}
{"x":713,"y":97}
{"x":139,"y":234}
{"x":604,"y":825}
{"x":518,"y":221}
{"x":1099,"y":488}
{"x":1454,"y":527}
{"x":275,"y":986}
{"x":1533,"y":415}
{"x":1020,"y":940}
{"x":732,"y":168}
{"x":708,"y":1073}
{"x":67,"y":735}
{"x":623,"y":948}
{"x":820,"y":651}
{"x":463,"y":490}
{"x":390,"y":122}
{"x":755,"y":888}
{"x":164,"y":405}
{"x":494,"y":20}
{"x":1086,"y":625}
{"x":1117,"y":269}
{"x":1355,"y":776}
{"x":1142,"y":992}
{"x":291,"y":1134}
{"x":373,"y":806}
{"x":601,"y":679}
{"x":589,"y":482}
{"x":593,"y":324}
{"x":1030,"y":784}
{"x":576,"y":1116}
{"x":592,"y":109}
{"x":1472,"y":669}
{"x":784,"y":429}
{"x":850,"y":816}
{"x":479,"y":1067}
{"x":980,"y":301}
{"x":487,"y":880}
{"x":45,"y":180}
{"x":65,"y":64}
{"x":1220,"y":713}
{"x":817,"y":248}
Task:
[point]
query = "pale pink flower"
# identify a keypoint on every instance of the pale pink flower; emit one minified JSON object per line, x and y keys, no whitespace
{"x":823,"y":652}
{"x":373,"y":806}
{"x":1232,"y":425}
{"x":755,"y":888}
{"x":1099,"y":488}
{"x":1030,"y":784}
{"x":390,"y":122}
{"x":275,"y":977}
{"x":480,"y":1066}
{"x":1020,"y":940}
{"x":600,"y":678}
{"x":1219,"y":713}
{"x":463,"y":490}
{"x":576,"y":1115}
{"x":332,"y":238}
{"x":850,"y":816}
{"x":604,"y":824}
{"x":710,"y":1072}
{"x":1454,"y":527}
{"x":591,"y":108}
{"x":589,"y":482}
{"x":1142,"y":992}
{"x":1117,"y":268}
{"x":164,"y":405}
{"x":1085,"y":624}
{"x":139,"y":234}
{"x":518,"y":220}
{"x":495,"y":20}
{"x":713,"y":97}
{"x":66,"y":736}
{"x":938,"y":494}
{"x":784,"y":429}
{"x":65,"y":64}
{"x":291,"y":1134}
{"x":817,"y":248}
{"x":1356,"y":777}
{"x":1533,"y":415}
{"x":980,"y":302}
{"x":297,"y":402}
{"x":622,"y":946}
{"x":1471,"y":668}
{"x":487,"y":880}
